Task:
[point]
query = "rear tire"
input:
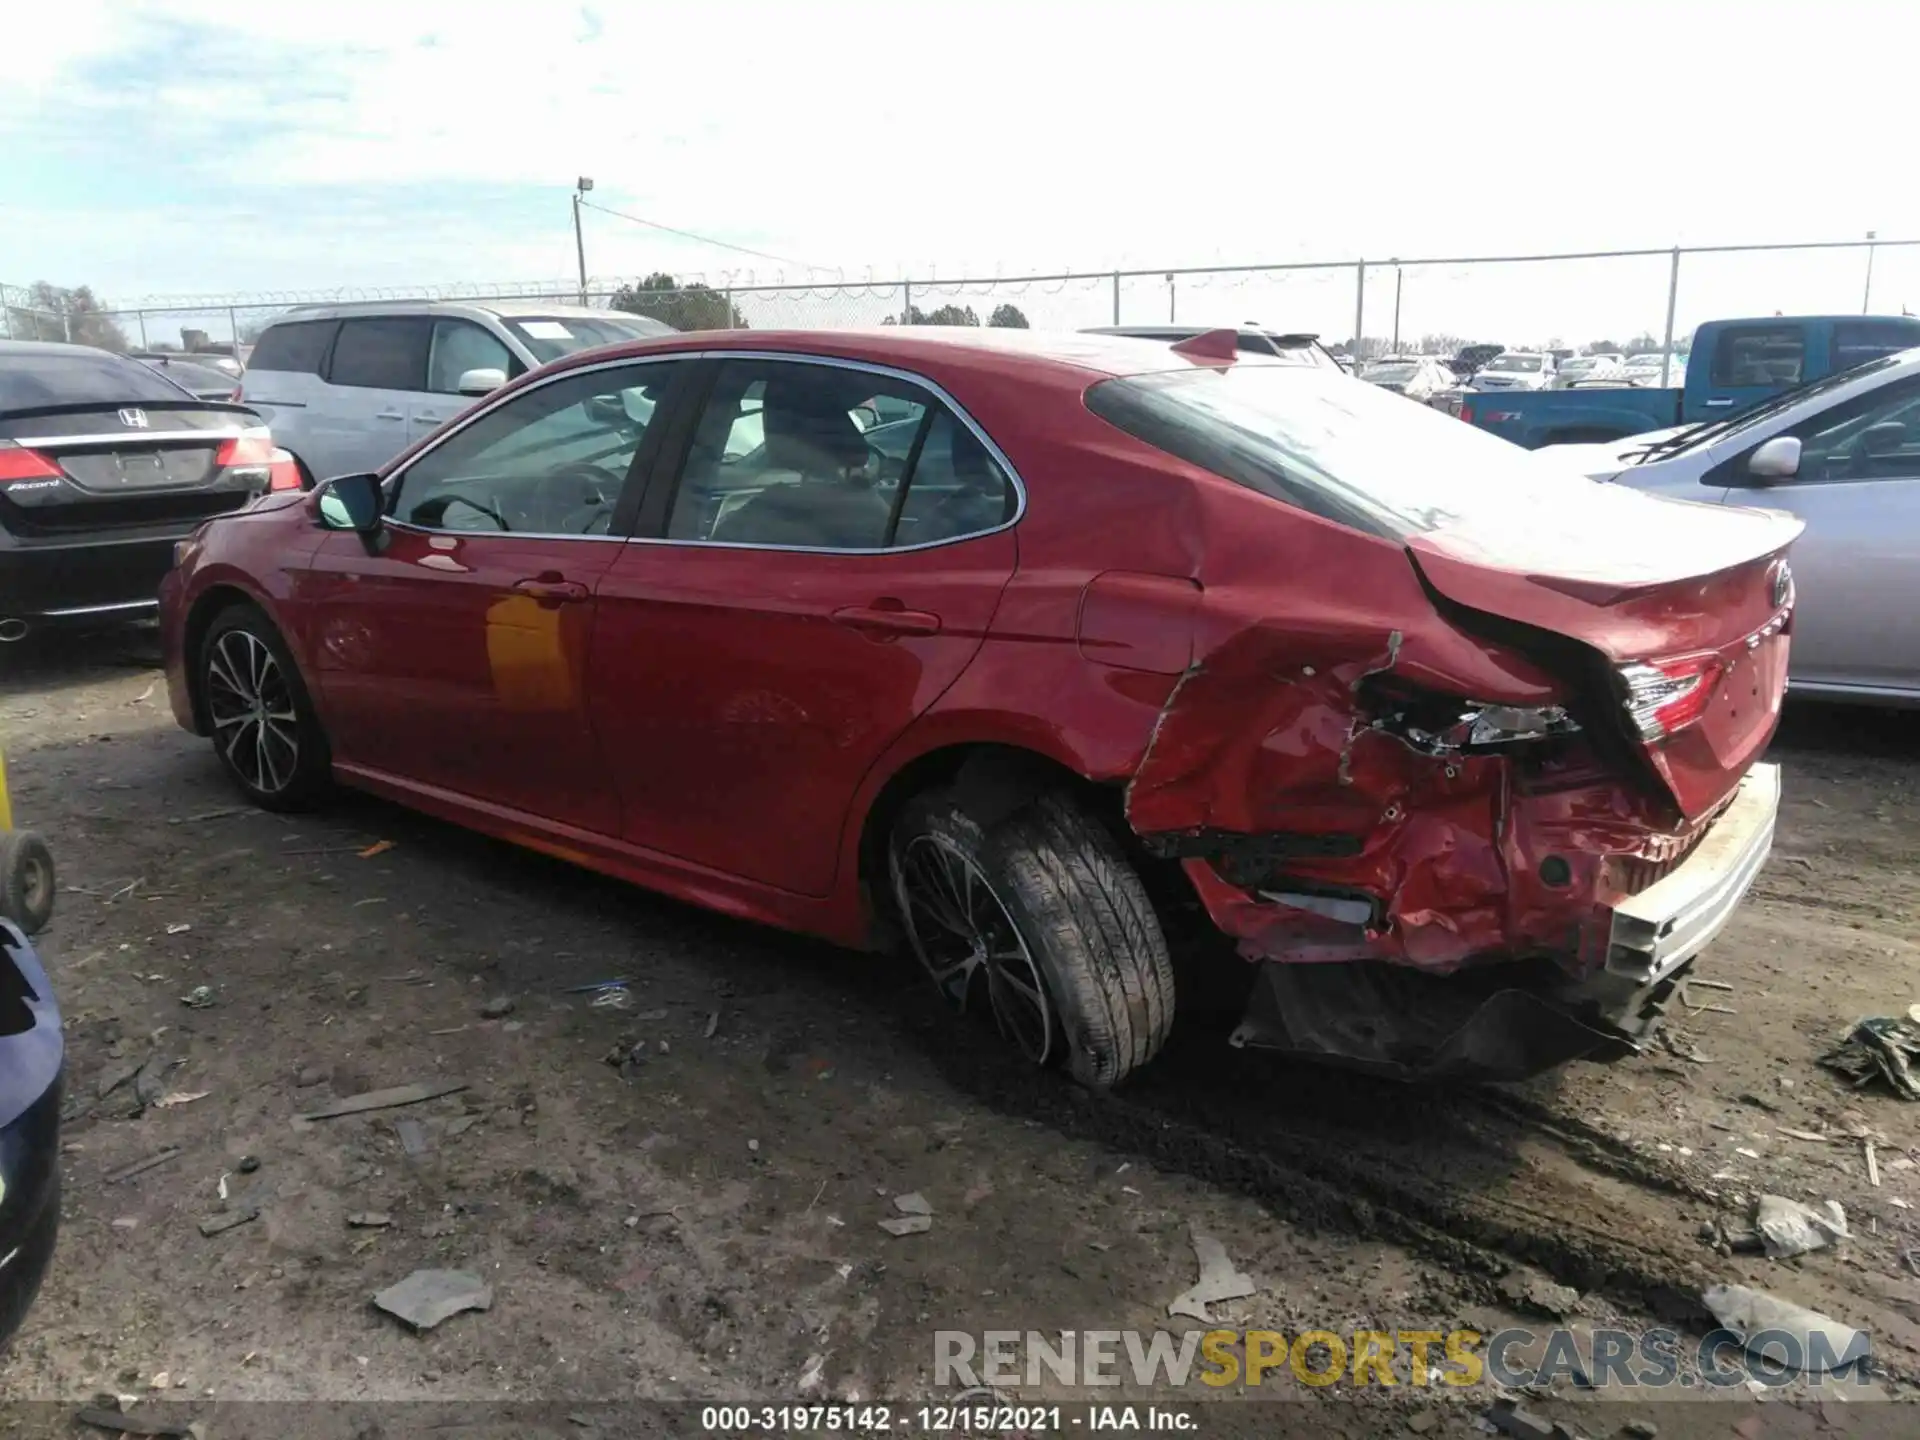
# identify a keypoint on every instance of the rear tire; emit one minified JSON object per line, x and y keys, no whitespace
{"x":26,"y":880}
{"x":1043,"y":920}
{"x":265,"y":729}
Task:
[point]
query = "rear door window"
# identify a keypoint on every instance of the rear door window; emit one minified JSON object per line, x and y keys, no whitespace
{"x":1753,"y":355}
{"x":382,"y":354}
{"x":298,"y":346}
{"x":1857,"y":341}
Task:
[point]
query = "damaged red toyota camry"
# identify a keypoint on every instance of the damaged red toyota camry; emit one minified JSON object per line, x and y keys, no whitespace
{"x":974,"y":640}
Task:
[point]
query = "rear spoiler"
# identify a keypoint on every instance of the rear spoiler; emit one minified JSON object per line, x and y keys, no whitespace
{"x":94,"y":407}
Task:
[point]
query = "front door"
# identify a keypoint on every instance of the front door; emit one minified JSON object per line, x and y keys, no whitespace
{"x":1857,"y":566}
{"x":454,"y":654}
{"x":359,"y":418}
{"x":792,"y":604}
{"x":458,"y":347}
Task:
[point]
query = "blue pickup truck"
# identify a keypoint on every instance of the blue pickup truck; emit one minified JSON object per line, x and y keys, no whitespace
{"x":1734,"y":364}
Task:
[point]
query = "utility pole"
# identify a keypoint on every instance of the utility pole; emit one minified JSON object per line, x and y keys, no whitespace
{"x":1397,"y":276}
{"x":580,"y":188}
{"x":1866,"y":300}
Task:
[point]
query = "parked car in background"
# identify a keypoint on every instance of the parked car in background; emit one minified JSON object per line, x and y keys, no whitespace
{"x":212,"y":360}
{"x":1472,"y":359}
{"x":1515,"y":370}
{"x":1651,"y":369}
{"x":1418,"y":377}
{"x":1843,"y":454}
{"x":202,"y":381}
{"x":1733,"y":365}
{"x":104,"y":465}
{"x":1587,"y":370}
{"x":1295,"y":347}
{"x":32,"y":1065}
{"x":988,"y":685}
{"x":348,"y":387}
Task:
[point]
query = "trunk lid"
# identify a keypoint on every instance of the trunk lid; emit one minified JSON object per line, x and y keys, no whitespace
{"x":1704,"y":585}
{"x":131,"y":466}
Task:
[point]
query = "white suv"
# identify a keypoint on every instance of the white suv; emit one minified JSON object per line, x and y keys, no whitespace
{"x":348,"y":387}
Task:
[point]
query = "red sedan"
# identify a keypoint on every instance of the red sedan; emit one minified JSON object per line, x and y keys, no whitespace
{"x":976,"y":639}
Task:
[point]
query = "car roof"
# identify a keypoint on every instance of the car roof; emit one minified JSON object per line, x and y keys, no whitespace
{"x":506,"y":309}
{"x":51,"y":347}
{"x":931,"y":348}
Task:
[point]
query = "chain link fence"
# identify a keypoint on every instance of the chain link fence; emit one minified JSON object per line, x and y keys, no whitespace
{"x":1634,"y":299}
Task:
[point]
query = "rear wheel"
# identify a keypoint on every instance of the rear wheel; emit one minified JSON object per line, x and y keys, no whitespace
{"x":264,"y":727}
{"x":26,"y":880}
{"x":1041,"y":922}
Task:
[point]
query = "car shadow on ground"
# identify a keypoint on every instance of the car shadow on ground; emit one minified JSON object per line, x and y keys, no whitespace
{"x":48,"y":661}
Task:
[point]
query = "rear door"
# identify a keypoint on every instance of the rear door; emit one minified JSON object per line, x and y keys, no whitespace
{"x":1857,"y":567}
{"x":361,"y":418}
{"x":791,"y":602}
{"x":457,"y":347}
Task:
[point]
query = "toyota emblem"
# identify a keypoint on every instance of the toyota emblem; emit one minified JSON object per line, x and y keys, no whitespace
{"x":134,"y":419}
{"x":1782,"y":584}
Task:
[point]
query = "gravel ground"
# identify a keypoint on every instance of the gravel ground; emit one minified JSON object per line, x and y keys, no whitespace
{"x":701,"y":1223}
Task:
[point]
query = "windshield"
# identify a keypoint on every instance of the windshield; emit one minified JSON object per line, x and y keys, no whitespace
{"x":1646,"y":362}
{"x":1719,"y":429}
{"x":1392,"y":370}
{"x":1350,"y":453}
{"x":549,"y":339}
{"x":1523,"y":364}
{"x":1579,"y":362}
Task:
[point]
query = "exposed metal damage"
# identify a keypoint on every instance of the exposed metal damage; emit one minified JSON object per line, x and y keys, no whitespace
{"x":1423,"y":880}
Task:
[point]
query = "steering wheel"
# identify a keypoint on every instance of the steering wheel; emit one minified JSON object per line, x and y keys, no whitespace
{"x":602,"y":488}
{"x":486,"y":510}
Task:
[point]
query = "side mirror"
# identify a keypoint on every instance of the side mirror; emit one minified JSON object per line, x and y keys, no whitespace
{"x":865,"y":416}
{"x":607,"y":410}
{"x":352,"y":502}
{"x":481,"y":382}
{"x":1777,"y":459}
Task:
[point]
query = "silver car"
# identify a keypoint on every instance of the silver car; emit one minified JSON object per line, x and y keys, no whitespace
{"x":1843,"y":454}
{"x":348,"y":387}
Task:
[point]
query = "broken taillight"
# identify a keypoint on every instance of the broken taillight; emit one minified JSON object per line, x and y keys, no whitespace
{"x":1437,"y":724}
{"x":1668,"y":695}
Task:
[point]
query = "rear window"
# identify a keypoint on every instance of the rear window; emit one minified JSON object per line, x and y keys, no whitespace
{"x":298,"y":346}
{"x":79,"y":377}
{"x":1354,"y":454}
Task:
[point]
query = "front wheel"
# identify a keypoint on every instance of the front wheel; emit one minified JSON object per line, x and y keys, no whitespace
{"x":1042,"y":921}
{"x":264,"y":727}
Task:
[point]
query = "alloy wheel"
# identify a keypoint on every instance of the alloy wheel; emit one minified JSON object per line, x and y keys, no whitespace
{"x":962,"y":933}
{"x":252,"y":709}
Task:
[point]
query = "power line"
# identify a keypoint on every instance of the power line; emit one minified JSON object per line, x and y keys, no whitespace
{"x":703,"y":239}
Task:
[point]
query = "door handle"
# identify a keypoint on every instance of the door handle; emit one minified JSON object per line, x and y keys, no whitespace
{"x":1724,"y":400}
{"x":882,"y":619}
{"x":552,"y":589}
{"x":391,"y":415}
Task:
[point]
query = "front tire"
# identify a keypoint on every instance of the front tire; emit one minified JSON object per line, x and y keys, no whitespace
{"x":1043,"y":920}
{"x":26,"y":880}
{"x":264,"y":727}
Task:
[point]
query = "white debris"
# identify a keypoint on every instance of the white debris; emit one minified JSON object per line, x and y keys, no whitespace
{"x":908,"y":1225}
{"x":1813,"y":1341}
{"x":912,"y":1203}
{"x":1790,"y":1228}
{"x":1218,"y":1281}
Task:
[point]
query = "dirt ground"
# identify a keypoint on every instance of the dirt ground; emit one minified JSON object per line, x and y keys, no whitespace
{"x":701,"y":1223}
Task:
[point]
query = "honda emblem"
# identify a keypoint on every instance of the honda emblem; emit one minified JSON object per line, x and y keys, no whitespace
{"x":134,"y":419}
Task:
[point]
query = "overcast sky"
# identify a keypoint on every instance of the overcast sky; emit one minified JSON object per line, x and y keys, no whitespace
{"x":153,"y":147}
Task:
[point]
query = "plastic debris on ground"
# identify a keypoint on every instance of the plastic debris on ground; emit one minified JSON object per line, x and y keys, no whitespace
{"x":1789,"y":1228}
{"x":1785,"y":1333}
{"x":612,"y":997}
{"x":908,"y":1225}
{"x":427,"y":1297}
{"x":1218,"y":1281}
{"x":1880,"y":1047}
